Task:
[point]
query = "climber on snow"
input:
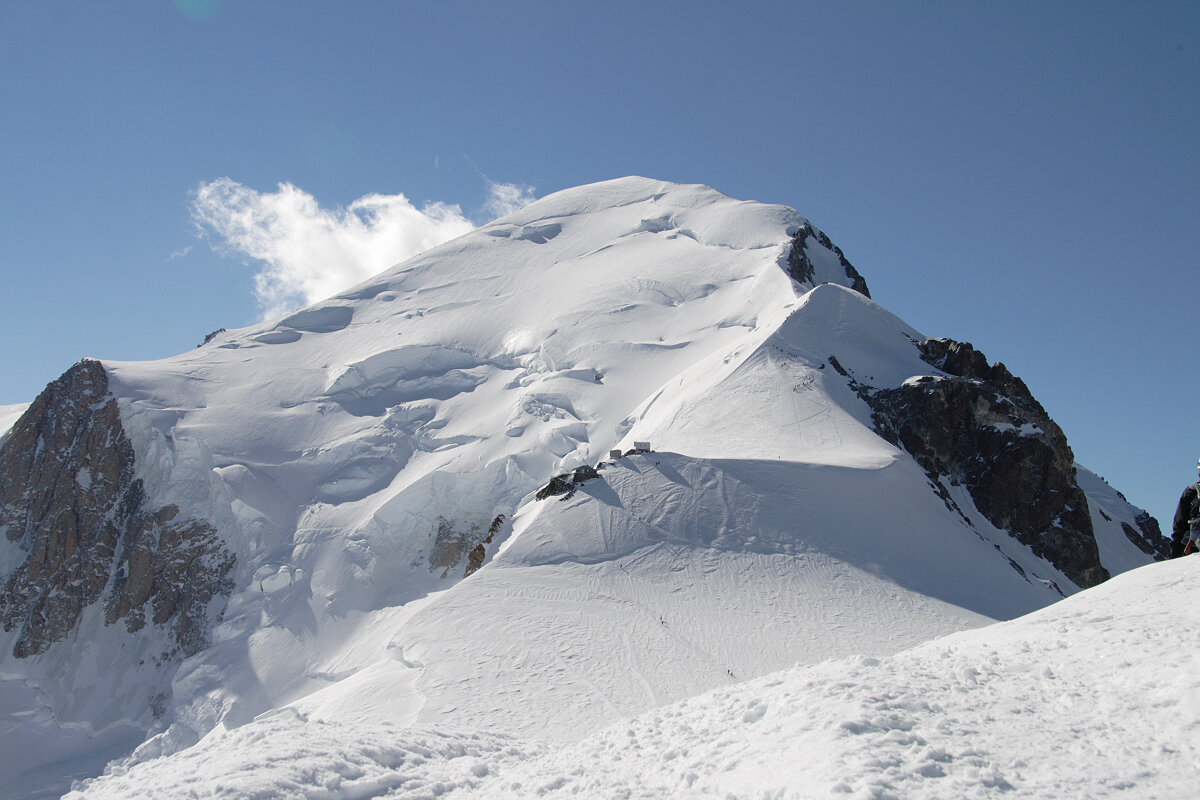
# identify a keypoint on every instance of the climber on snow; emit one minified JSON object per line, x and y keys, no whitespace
{"x":1185,"y":532}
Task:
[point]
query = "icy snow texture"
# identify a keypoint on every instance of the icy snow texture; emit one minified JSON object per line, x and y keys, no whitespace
{"x":1091,"y":697}
{"x":343,"y":451}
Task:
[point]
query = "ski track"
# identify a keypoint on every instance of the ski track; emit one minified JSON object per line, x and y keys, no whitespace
{"x":1088,"y":698}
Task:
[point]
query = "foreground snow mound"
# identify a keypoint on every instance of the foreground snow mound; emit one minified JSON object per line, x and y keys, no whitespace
{"x":286,"y":755}
{"x":1091,"y":697}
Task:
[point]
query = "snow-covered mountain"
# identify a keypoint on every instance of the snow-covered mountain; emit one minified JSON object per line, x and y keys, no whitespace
{"x":401,"y":506}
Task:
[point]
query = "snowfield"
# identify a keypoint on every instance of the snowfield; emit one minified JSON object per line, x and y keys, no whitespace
{"x":770,"y":603}
{"x":1090,"y":697}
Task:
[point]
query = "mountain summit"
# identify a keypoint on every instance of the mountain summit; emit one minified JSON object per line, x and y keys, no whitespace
{"x":633,"y":442}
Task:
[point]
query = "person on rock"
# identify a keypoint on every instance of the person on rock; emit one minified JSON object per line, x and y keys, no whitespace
{"x":1186,"y":529}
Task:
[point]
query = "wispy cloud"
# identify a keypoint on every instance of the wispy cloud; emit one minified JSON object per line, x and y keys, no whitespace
{"x":308,"y":253}
{"x":505,"y":198}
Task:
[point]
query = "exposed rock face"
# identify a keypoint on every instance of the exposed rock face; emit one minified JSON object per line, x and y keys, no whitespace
{"x":800,"y":266}
{"x":71,"y":502}
{"x":979,"y":426}
{"x":451,"y":544}
{"x":565,"y":484}
{"x":1148,"y":537}
{"x":558,"y":485}
{"x":479,"y":554}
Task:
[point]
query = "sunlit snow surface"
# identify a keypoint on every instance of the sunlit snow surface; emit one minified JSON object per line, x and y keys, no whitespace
{"x":770,"y":527}
{"x":1091,"y":697}
{"x":9,"y":415}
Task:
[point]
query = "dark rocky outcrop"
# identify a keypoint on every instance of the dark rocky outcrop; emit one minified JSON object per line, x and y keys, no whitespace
{"x":565,"y":484}
{"x":477,"y":556}
{"x":1148,"y":537}
{"x":978,"y":425}
{"x":584,"y":473}
{"x":558,"y":485}
{"x":450,"y":545}
{"x":71,"y":502}
{"x":800,"y":266}
{"x":210,"y":336}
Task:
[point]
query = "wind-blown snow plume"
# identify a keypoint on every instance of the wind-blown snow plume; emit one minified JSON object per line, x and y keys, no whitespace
{"x":309,"y":252}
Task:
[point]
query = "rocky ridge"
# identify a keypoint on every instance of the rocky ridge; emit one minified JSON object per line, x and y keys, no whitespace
{"x":73,"y":508}
{"x":800,"y":263}
{"x":977,"y":425}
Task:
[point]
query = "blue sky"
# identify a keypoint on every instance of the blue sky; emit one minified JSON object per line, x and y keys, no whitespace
{"x":1020,"y":175}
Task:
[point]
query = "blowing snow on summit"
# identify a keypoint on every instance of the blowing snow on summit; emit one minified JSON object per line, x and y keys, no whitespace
{"x":632,"y":492}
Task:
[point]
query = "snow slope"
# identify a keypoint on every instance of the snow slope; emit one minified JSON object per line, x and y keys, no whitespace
{"x":1109,"y":509}
{"x":670,"y":575}
{"x":1091,"y":697}
{"x":9,"y":415}
{"x":352,"y":453}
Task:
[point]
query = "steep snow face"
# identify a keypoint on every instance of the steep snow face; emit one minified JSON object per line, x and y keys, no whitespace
{"x":776,"y":397}
{"x":9,"y":415}
{"x":518,"y":350}
{"x":366,"y":444}
{"x":1089,"y":698}
{"x":358,"y":457}
{"x":1125,"y":534}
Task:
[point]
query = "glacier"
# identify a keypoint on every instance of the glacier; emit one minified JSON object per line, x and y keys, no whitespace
{"x":358,"y":459}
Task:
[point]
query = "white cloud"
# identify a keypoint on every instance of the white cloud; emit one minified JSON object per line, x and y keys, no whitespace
{"x":309,"y":253}
{"x":505,"y":198}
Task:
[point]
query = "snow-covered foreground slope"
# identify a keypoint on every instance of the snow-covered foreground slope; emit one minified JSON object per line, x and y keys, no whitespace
{"x":1091,"y":697}
{"x":337,"y":514}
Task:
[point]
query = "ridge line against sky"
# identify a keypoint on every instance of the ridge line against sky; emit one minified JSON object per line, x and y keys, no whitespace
{"x":1018,"y":175}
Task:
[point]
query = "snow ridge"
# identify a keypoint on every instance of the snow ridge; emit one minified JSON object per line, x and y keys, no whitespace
{"x":359,"y":458}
